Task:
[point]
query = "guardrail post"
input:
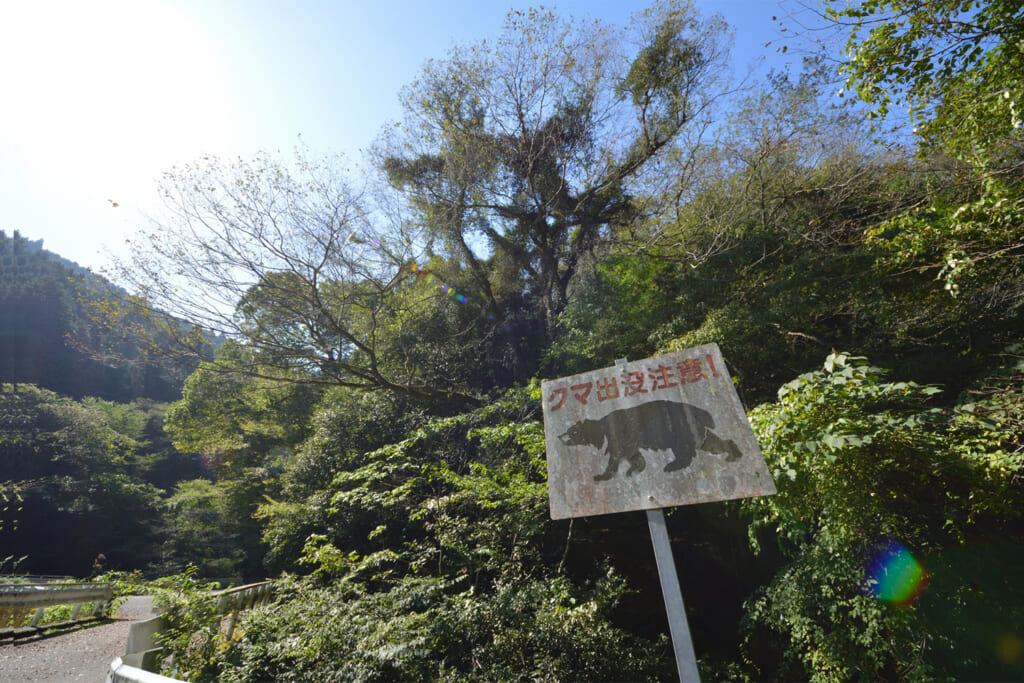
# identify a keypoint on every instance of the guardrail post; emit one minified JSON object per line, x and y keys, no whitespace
{"x":100,"y":607}
{"x":17,"y":601}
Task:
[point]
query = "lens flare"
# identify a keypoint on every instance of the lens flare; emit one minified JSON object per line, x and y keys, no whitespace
{"x":895,"y":575}
{"x":428,"y":276}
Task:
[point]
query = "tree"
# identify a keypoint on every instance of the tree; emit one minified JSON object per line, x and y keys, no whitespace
{"x":73,"y":465}
{"x":433,"y":558}
{"x":956,"y":65}
{"x":287,"y":262}
{"x":786,"y":169}
{"x":235,"y":421}
{"x":766,"y":242}
{"x":201,"y":531}
{"x":525,"y":155}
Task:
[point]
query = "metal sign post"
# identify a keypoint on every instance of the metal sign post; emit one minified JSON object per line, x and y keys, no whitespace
{"x":682,"y":644}
{"x":678,"y":626}
{"x":647,"y":435}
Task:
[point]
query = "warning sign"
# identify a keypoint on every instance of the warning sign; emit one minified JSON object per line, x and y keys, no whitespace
{"x":654,"y":433}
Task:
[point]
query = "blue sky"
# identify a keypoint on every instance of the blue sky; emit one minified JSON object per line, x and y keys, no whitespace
{"x":101,"y":97}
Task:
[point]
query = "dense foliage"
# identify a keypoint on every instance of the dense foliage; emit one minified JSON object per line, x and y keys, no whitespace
{"x":955,"y":65}
{"x":862,"y":464}
{"x":85,"y":477}
{"x":370,"y":435}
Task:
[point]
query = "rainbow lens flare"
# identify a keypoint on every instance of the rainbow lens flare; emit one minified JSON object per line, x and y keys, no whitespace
{"x":428,"y":276}
{"x":895,"y":575}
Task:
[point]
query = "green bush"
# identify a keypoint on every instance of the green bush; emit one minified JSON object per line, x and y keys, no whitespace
{"x":862,"y":464}
{"x":431,"y":629}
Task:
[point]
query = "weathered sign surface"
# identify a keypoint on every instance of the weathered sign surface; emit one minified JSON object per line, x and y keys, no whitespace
{"x":653,"y":433}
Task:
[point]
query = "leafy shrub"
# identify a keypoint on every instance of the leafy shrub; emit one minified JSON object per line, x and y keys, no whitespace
{"x":192,"y":635}
{"x":861,"y":462}
{"x":430,"y":629}
{"x":433,"y":558}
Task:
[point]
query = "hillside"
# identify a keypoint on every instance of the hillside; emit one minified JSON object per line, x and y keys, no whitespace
{"x":48,"y":337}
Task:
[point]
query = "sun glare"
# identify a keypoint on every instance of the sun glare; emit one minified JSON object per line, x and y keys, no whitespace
{"x":100,"y":97}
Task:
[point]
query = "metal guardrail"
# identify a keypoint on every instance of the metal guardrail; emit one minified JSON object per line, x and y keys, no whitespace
{"x":19,"y":600}
{"x":234,"y":600}
{"x":124,"y":673}
{"x":32,"y":578}
{"x":143,"y":651}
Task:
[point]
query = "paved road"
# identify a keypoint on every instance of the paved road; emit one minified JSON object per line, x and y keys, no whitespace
{"x":83,"y":655}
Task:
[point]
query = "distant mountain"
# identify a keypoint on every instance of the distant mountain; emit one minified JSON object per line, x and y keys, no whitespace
{"x":46,"y":331}
{"x":34,"y":246}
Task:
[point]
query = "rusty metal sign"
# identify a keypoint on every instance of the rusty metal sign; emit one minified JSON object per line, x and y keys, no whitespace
{"x":654,"y":433}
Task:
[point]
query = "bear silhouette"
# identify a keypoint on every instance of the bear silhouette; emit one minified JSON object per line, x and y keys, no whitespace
{"x":655,"y":425}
